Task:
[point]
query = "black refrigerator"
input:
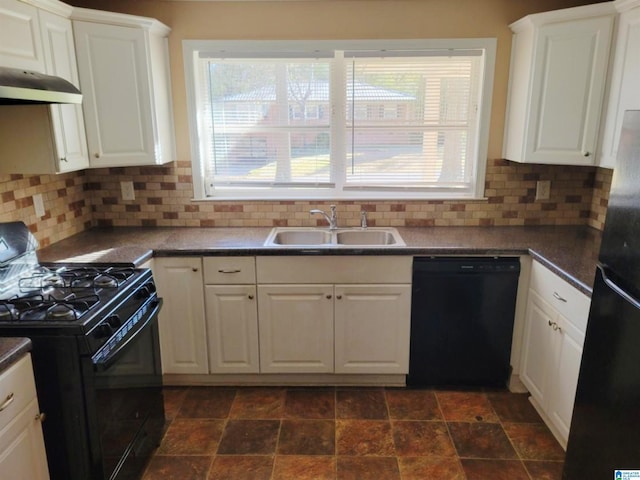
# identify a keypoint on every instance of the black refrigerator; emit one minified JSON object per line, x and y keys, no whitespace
{"x":604,"y":440}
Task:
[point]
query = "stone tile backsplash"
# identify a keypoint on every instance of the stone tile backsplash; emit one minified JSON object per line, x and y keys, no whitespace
{"x":67,"y":206}
{"x":77,"y":201}
{"x":164,"y":198}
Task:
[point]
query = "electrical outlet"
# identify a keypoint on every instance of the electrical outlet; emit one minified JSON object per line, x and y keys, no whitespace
{"x":38,"y":205}
{"x":543,"y":189}
{"x":128,"y":193}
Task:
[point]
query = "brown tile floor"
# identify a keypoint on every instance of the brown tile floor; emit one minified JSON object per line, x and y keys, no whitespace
{"x":247,"y":433}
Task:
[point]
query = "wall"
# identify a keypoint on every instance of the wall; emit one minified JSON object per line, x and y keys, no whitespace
{"x":76,"y":201}
{"x":164,"y":195}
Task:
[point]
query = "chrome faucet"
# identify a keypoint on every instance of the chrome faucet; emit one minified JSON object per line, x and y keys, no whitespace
{"x":363,"y":219}
{"x":333,"y":219}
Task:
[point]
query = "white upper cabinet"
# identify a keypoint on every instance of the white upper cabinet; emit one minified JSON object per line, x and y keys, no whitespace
{"x":123,"y":62}
{"x":624,"y":93}
{"x":40,"y":139}
{"x":20,"y":42}
{"x":67,"y":120}
{"x":559,"y":64}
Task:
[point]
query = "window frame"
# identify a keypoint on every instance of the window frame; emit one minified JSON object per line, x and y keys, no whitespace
{"x":255,"y":49}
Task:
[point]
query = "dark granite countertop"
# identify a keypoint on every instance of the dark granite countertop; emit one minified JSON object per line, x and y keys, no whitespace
{"x":570,"y":251}
{"x":11,"y":349}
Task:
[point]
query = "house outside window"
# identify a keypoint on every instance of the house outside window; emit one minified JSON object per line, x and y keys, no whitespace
{"x":270,"y":121}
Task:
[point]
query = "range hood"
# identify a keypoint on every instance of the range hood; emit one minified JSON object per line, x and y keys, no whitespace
{"x":19,"y":86}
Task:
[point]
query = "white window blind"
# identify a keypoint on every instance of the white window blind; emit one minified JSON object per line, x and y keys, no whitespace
{"x":266,"y":122}
{"x":339,"y":123}
{"x":419,"y":130}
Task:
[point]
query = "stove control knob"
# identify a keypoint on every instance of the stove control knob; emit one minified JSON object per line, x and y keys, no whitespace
{"x":104,"y":330}
{"x":114,"y":321}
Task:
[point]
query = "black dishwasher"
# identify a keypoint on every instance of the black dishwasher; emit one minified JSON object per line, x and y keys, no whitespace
{"x":462,"y":313}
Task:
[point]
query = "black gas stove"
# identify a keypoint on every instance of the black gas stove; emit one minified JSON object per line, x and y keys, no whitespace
{"x":85,"y":300}
{"x":95,"y":349}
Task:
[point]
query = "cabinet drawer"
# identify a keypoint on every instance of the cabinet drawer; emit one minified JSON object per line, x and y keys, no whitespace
{"x":229,"y":270}
{"x":17,"y":389}
{"x":566,"y":299}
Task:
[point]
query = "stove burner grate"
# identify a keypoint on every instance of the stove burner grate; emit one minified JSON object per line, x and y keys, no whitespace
{"x":48,"y":308}
{"x":76,"y":278}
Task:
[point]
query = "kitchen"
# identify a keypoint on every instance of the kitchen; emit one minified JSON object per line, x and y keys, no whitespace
{"x":163,"y":194}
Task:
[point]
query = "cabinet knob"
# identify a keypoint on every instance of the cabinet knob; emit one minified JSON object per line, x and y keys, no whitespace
{"x":250,"y":297}
{"x":97,"y":155}
{"x":339,"y":297}
{"x":194,"y":269}
{"x":329,"y":297}
{"x":41,"y":417}
{"x":586,"y":154}
{"x":64,"y":159}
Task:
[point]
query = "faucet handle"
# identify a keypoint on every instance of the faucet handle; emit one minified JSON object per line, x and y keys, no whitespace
{"x":363,"y":219}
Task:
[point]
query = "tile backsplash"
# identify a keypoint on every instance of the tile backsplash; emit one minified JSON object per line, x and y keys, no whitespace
{"x":163,"y":198}
{"x":67,"y":206}
{"x":77,"y":201}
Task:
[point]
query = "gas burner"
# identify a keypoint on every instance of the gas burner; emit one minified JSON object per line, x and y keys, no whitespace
{"x":66,"y":309}
{"x":12,"y":308}
{"x":105,"y":281}
{"x":54,"y":280}
{"x":61,"y":311}
{"x":8,"y":312}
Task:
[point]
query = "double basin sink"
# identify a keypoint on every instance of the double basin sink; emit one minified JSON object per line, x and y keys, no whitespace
{"x":342,"y":237}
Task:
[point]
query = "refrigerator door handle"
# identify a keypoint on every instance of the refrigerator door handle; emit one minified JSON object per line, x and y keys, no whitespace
{"x":611,"y":284}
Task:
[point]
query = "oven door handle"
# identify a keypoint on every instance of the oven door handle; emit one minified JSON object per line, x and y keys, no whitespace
{"x":105,"y":363}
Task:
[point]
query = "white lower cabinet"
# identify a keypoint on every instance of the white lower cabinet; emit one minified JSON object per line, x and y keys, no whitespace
{"x":284,"y":315}
{"x":371,"y":331}
{"x":22,"y":452}
{"x":296,"y":328}
{"x":555,"y":324}
{"x":231,"y":314}
{"x":183,"y":340}
{"x":232,"y":328}
{"x":346,"y":315}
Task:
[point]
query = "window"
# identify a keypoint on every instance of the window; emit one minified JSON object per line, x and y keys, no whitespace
{"x":339,"y":120}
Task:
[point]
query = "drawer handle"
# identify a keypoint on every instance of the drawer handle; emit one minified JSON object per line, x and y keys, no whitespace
{"x":41,"y":417}
{"x":229,"y":271}
{"x":557,"y":296}
{"x":7,"y":401}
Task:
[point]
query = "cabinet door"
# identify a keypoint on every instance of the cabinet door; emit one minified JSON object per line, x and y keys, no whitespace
{"x":67,"y":120}
{"x":372,"y":328}
{"x":183,"y":340}
{"x":296,"y":328}
{"x":20,"y":41}
{"x":232,"y":328}
{"x":22,"y":453}
{"x":537,"y":347}
{"x":115,"y":80}
{"x":624,"y":93}
{"x":564,"y":375}
{"x":569,"y":74}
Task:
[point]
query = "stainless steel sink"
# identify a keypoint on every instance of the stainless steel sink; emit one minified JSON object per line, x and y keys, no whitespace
{"x":366,"y":237}
{"x":302,"y":237}
{"x":341,"y":238}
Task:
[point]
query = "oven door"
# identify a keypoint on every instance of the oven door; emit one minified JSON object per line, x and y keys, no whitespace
{"x":129,"y":408}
